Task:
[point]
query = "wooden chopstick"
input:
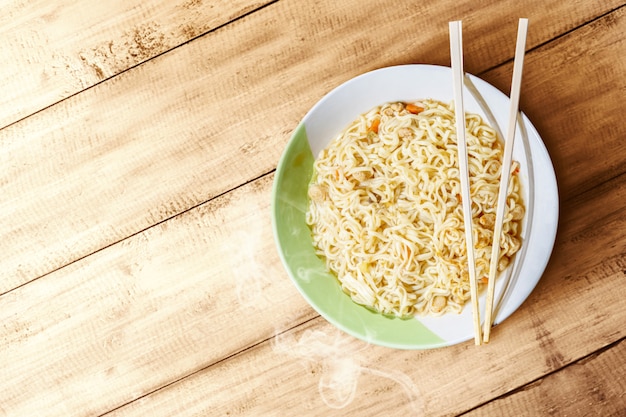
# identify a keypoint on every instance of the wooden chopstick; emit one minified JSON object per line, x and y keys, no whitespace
{"x":456,"y":53}
{"x":505,"y":173}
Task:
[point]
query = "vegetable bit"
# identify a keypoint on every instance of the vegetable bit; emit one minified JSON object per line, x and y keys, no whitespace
{"x":413,"y":108}
{"x":374,"y":126}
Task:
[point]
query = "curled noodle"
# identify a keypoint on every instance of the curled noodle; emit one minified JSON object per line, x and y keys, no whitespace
{"x":385,"y":210}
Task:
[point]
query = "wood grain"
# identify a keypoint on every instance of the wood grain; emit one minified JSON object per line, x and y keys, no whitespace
{"x":544,"y":335}
{"x":161,"y":135}
{"x":52,"y":50}
{"x":139,"y":275}
{"x":146,"y":311}
{"x":576,"y":111}
{"x":593,"y":386}
{"x":140,"y":315}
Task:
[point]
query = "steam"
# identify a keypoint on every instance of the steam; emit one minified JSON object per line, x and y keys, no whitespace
{"x":249,"y":272}
{"x":342,"y":361}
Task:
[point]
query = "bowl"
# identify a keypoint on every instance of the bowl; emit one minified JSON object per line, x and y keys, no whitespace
{"x":332,"y":114}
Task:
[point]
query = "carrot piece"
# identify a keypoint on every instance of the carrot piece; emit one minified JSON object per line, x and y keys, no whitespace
{"x":374,"y":126}
{"x":412,"y":108}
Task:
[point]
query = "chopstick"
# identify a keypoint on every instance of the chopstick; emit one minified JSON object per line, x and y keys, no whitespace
{"x":505,"y":172}
{"x":456,"y":54}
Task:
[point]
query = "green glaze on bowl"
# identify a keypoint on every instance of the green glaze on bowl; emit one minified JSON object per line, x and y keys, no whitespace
{"x":327,"y":118}
{"x":308,"y":272}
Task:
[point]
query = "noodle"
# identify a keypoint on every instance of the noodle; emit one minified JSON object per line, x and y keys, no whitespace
{"x":385,"y":211}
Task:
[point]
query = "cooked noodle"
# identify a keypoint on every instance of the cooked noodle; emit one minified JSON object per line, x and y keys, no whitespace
{"x":385,"y":210}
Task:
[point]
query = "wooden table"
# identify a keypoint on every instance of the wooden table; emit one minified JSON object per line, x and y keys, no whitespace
{"x":138,"y":271}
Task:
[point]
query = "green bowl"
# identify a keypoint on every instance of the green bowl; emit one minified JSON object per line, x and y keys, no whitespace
{"x":328,"y":118}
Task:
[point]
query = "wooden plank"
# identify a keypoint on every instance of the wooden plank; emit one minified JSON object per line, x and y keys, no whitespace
{"x":576,"y":112}
{"x":593,"y":386}
{"x":300,"y":371}
{"x":147,"y":311}
{"x":161,"y":135}
{"x":51,"y":50}
{"x":173,"y":300}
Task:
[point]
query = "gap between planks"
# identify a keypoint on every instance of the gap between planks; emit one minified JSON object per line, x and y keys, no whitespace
{"x":555,"y":38}
{"x":215,"y":363}
{"x":89,"y":87}
{"x":530,"y":384}
{"x":138,"y":232}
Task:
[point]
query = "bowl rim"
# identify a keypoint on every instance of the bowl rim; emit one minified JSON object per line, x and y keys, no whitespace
{"x":538,"y":151}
